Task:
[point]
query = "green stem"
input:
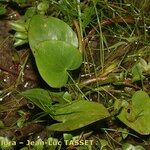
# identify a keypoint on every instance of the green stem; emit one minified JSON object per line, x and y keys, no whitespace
{"x":101,"y":38}
{"x":80,"y":24}
{"x":76,"y":85}
{"x":21,"y":71}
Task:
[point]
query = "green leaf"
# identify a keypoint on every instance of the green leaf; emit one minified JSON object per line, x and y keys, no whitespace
{"x":2,"y":10}
{"x":136,"y":72}
{"x":20,"y":122}
{"x":139,"y":69}
{"x":103,"y":143}
{"x":54,"y":58}
{"x":19,"y":42}
{"x":72,"y":114}
{"x":39,"y":97}
{"x":51,"y":143}
{"x":139,"y":147}
{"x":78,"y":114}
{"x":18,"y":25}
{"x":44,"y":28}
{"x":1,"y":124}
{"x":5,"y":143}
{"x":54,"y":45}
{"x":39,"y":144}
{"x":128,"y":146}
{"x":67,"y":136}
{"x":43,"y":7}
{"x":44,"y":98}
{"x":30,"y":12}
{"x":137,"y":114}
{"x":20,"y":35}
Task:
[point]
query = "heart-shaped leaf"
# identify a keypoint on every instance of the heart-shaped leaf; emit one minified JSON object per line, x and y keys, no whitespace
{"x":137,"y":115}
{"x":78,"y":114}
{"x":44,"y":28}
{"x":54,"y":58}
{"x":54,"y":45}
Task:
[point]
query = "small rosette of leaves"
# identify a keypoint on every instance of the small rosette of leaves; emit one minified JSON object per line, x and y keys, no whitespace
{"x":20,"y":36}
{"x":140,"y":69}
{"x":137,"y":114}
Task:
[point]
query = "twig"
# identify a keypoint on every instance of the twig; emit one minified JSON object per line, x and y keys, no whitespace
{"x":80,"y":39}
{"x":107,"y":80}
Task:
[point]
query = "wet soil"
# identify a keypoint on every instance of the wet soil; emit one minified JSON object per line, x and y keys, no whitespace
{"x":11,"y":61}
